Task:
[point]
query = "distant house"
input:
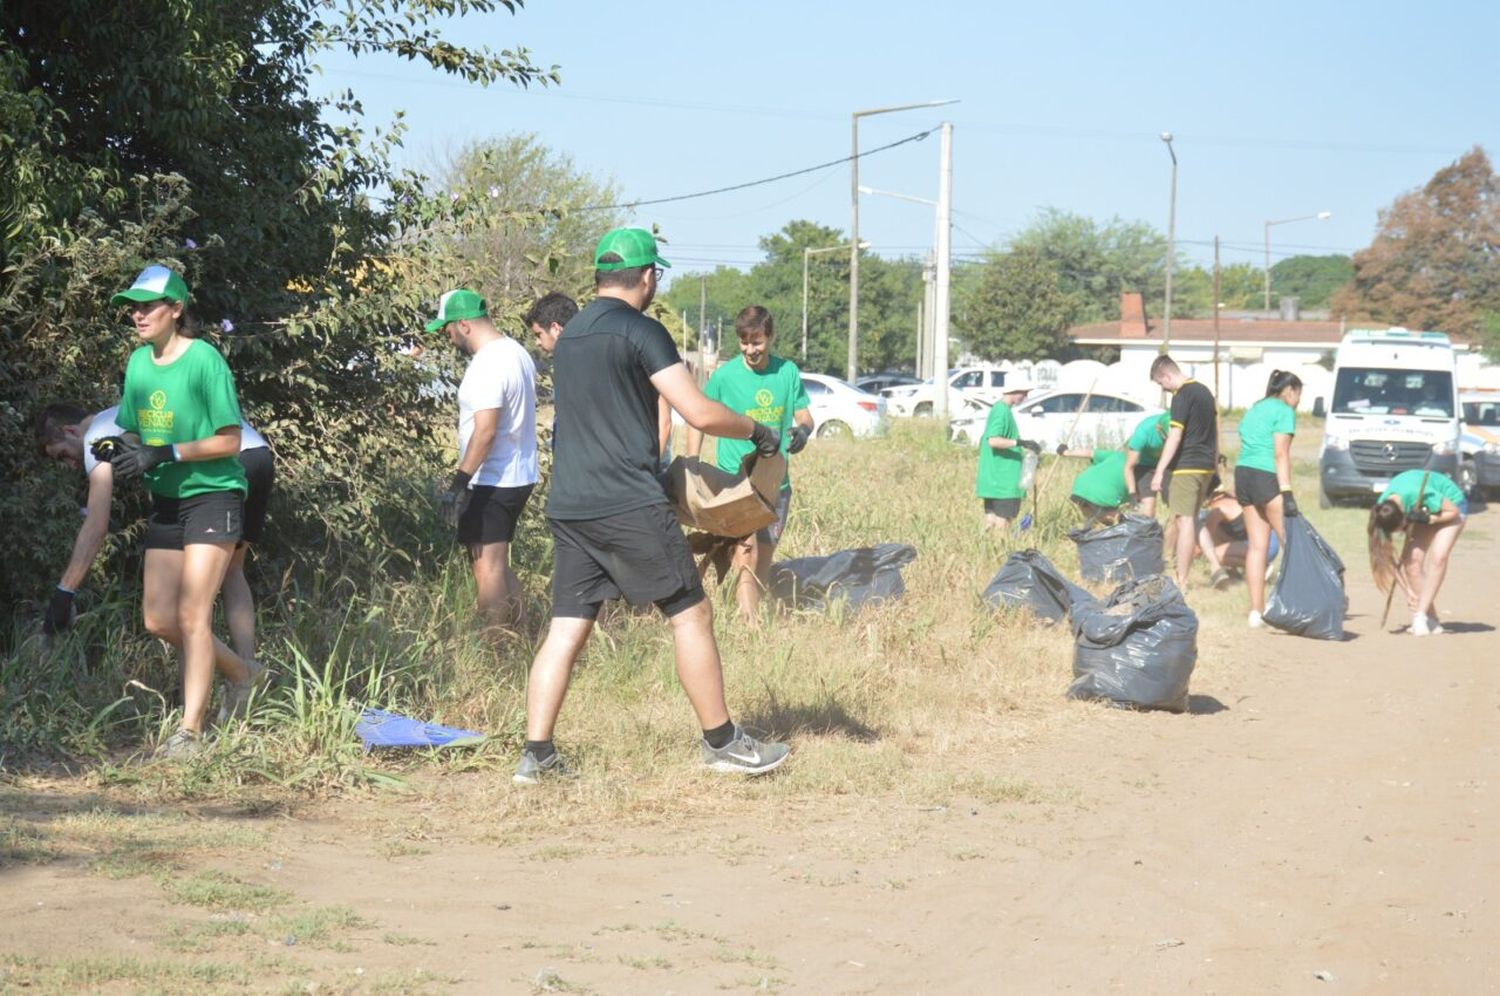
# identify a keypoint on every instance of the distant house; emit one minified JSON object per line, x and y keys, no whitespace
{"x":1248,"y":350}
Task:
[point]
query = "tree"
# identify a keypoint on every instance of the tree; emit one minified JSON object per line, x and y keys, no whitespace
{"x":1435,"y":261}
{"x":1095,"y":262}
{"x":1017,"y":307}
{"x":1312,"y":279}
{"x":1241,"y":287}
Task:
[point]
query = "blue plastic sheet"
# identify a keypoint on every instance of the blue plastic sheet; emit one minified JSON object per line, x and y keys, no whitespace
{"x":378,"y":728}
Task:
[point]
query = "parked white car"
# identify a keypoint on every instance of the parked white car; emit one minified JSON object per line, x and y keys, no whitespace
{"x":981,"y":383}
{"x":840,"y":410}
{"x":1106,"y":423}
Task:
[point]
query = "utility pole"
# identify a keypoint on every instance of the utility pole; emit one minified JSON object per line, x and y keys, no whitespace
{"x":944,"y":273}
{"x":702,"y":309}
{"x":1166,"y":136}
{"x":1216,"y":320}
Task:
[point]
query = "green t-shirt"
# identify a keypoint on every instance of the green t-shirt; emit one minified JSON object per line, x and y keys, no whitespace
{"x":770,"y":396}
{"x":1266,"y":419}
{"x":1148,"y":439}
{"x":1103,"y":481}
{"x":999,"y":470}
{"x":188,"y":399}
{"x":1439,"y":486}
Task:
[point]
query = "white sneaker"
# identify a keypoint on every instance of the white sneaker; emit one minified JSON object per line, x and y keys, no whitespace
{"x":1419,"y":626}
{"x":1434,"y":625}
{"x":1255,"y":621}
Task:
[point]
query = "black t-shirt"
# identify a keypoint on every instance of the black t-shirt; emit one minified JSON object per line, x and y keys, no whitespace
{"x":605,"y":438}
{"x":1193,"y":409}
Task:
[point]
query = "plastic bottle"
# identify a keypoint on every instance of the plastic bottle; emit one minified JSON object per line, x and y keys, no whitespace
{"x":1028,"y":470}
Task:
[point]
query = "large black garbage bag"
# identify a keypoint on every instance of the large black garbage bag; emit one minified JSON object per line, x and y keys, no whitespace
{"x":1309,"y":599}
{"x":1137,"y":648}
{"x":1131,"y":548}
{"x":1028,"y":578}
{"x":864,"y":576}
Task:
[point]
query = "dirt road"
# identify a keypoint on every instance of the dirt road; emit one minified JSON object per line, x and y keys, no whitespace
{"x":1325,"y":821}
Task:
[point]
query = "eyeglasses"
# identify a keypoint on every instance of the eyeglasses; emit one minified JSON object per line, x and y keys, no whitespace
{"x":657,"y":272}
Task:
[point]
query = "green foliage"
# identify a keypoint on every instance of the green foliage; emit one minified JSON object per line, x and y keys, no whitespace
{"x":1094,"y":262}
{"x":1016,"y":308}
{"x":1313,"y":279}
{"x":1241,"y":287}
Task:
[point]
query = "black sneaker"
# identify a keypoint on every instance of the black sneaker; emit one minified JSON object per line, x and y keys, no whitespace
{"x":744,"y":755}
{"x":531,"y":771}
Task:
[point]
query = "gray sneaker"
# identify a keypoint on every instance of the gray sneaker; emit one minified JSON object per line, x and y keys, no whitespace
{"x":532,"y":772}
{"x":744,"y":755}
{"x":180,"y":746}
{"x":235,"y":702}
{"x":1220,"y":579}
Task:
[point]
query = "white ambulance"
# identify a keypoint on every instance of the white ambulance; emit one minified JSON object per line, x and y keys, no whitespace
{"x":1395,"y":407}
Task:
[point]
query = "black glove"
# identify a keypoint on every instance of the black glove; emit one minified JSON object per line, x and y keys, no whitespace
{"x":1419,"y":516}
{"x":798,"y":439}
{"x":1134,"y":500}
{"x":132,"y":459}
{"x":59,"y":615}
{"x":1030,"y":444}
{"x":104,"y":449}
{"x":766,"y":439}
{"x":1289,"y":504}
{"x":453,"y":501}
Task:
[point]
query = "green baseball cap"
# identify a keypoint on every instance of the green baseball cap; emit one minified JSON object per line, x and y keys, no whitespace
{"x":634,"y":246}
{"x":154,"y":284}
{"x":457,"y":305}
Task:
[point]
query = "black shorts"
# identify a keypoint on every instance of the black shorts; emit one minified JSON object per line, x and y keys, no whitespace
{"x":639,"y":555}
{"x":214,"y":517}
{"x":1255,"y":487}
{"x":1005,"y":508}
{"x":1143,"y":475}
{"x":492,"y":514}
{"x":260,"y":471}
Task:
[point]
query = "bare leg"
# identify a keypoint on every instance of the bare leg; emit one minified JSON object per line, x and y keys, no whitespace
{"x":995,"y":523}
{"x":499,"y":590}
{"x":698,"y":666}
{"x":1439,"y":546}
{"x":1415,"y":565}
{"x":1187,"y":544}
{"x":753,"y":558}
{"x":239,"y":605}
{"x":203,"y":567}
{"x":550,"y":672}
{"x":1257,"y":554}
{"x":1148,"y":507}
{"x":163,"y":582}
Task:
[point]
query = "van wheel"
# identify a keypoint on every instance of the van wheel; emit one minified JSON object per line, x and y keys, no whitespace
{"x":1323,"y":500}
{"x":1468,"y":479}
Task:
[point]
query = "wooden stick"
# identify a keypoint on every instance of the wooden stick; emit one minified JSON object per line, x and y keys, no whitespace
{"x":1405,"y":549}
{"x":1082,"y":407}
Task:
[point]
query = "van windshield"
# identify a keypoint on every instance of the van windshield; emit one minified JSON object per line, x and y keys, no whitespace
{"x":1370,"y":391}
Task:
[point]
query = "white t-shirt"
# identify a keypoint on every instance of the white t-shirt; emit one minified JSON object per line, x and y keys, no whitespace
{"x":104,"y":424}
{"x":502,"y":376}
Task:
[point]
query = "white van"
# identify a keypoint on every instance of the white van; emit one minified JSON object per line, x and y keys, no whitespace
{"x":1395,"y":408}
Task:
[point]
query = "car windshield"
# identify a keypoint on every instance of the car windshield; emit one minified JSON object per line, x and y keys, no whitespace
{"x":1370,"y":391}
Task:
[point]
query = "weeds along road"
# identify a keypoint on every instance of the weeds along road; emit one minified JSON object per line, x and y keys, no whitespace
{"x":1322,"y":821}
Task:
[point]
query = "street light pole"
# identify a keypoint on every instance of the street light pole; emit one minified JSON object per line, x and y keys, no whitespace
{"x":1320,"y":216}
{"x":1166,"y":136}
{"x":853,"y":364}
{"x":806,"y":252}
{"x":926,"y":326}
{"x":941,"y":308}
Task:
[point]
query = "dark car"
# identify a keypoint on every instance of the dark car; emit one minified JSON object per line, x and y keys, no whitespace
{"x":875,"y":383}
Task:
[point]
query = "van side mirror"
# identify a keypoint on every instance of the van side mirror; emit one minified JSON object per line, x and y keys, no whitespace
{"x":1319,"y":410}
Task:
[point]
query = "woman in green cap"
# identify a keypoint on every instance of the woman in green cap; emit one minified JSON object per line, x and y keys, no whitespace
{"x":181,"y":422}
{"x":1263,"y":478}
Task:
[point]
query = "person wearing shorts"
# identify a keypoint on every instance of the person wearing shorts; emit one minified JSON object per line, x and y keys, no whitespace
{"x":180,"y":418}
{"x":1221,"y":526}
{"x":998,"y":480}
{"x":615,"y":533}
{"x":768,"y":389}
{"x":66,"y":433}
{"x":1434,"y":510}
{"x":1263,"y":478}
{"x":1142,"y":453}
{"x":497,"y":455}
{"x":1190,"y":456}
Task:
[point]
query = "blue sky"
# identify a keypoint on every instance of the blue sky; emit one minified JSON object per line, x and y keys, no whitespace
{"x":1277,"y":110}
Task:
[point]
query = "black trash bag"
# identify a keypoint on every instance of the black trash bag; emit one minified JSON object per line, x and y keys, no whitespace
{"x":865,"y":576}
{"x":1131,"y":548}
{"x":1028,"y":578}
{"x":1309,"y":599}
{"x":1137,"y":648}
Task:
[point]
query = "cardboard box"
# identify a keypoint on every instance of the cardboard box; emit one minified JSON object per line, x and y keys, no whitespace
{"x":725,"y":504}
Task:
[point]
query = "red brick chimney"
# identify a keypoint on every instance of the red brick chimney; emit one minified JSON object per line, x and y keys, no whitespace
{"x":1132,"y":315}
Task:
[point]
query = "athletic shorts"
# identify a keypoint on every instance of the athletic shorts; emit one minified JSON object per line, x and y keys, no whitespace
{"x":772,"y":534}
{"x":492,"y":514}
{"x":1253,"y":486}
{"x":1143,"y":475}
{"x":1005,"y":508}
{"x":640,"y":556}
{"x":1187,"y":491}
{"x":214,"y":517}
{"x":260,"y":471}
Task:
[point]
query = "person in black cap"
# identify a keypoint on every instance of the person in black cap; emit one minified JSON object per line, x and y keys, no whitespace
{"x":615,"y":533}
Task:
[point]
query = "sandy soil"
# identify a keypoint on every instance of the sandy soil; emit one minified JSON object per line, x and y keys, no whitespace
{"x":1324,"y":820}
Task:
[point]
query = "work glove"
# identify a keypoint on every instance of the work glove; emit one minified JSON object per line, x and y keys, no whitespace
{"x":59,"y":614}
{"x":1134,"y":501}
{"x":1289,"y":504}
{"x":130,"y":458}
{"x":106,"y":447}
{"x":1419,"y":516}
{"x":455,"y":500}
{"x":766,"y":439}
{"x":798,"y":439}
{"x":1030,"y":444}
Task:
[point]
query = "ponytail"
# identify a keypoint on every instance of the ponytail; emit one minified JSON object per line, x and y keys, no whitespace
{"x":1385,"y":518}
{"x":1280,"y":380}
